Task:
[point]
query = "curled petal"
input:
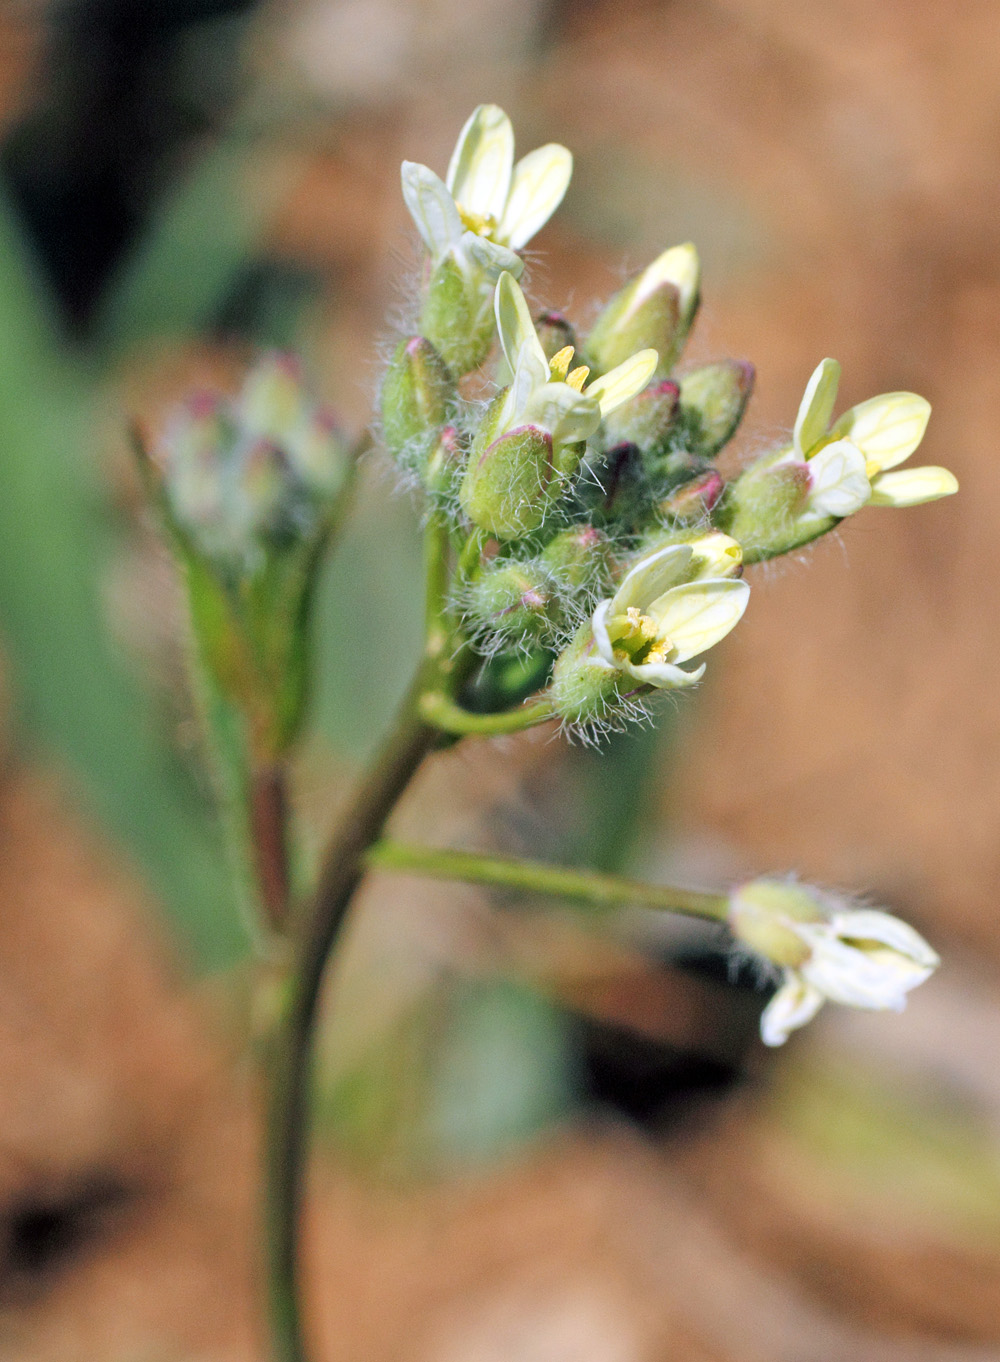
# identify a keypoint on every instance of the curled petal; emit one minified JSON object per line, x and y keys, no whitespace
{"x":624,"y":381}
{"x":877,"y":979}
{"x":816,"y":406}
{"x":698,"y":615}
{"x":491,"y":258}
{"x":838,"y":481}
{"x":872,"y":925}
{"x":567,"y":415}
{"x":664,"y":675}
{"x":651,"y":576}
{"x":913,"y":486}
{"x":514,"y":324}
{"x":480,"y":169}
{"x":886,"y":429}
{"x":432,"y":208}
{"x":540,"y":181}
{"x":599,"y":626}
{"x":795,"y":1003}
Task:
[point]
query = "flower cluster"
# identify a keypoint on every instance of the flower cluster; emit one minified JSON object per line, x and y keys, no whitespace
{"x":599,"y":548}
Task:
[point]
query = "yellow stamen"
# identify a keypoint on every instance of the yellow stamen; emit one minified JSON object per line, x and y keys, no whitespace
{"x":483,"y":224}
{"x":577,"y":378}
{"x":560,"y":362}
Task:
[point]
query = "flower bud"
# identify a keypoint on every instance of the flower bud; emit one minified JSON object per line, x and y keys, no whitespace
{"x":509,"y":484}
{"x":654,"y":310}
{"x":762,"y":915}
{"x":418,"y":393}
{"x":577,"y":557}
{"x":646,"y":419}
{"x":555,"y":333}
{"x":712,"y":401}
{"x":517,"y":600}
{"x":694,"y":500}
{"x":444,"y":465}
{"x":762,"y":509}
{"x":457,"y":315}
{"x":584,"y":688}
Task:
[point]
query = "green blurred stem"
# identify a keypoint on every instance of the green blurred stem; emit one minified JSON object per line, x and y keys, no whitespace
{"x":580,"y":886}
{"x":449,"y":717}
{"x":268,"y":815}
{"x":291,"y":1061}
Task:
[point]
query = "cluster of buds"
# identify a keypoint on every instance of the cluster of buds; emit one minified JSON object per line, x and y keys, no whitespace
{"x":249,"y":489}
{"x":593,"y":531}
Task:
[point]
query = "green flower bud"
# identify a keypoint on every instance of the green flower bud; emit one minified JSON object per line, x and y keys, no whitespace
{"x":712,"y":402}
{"x":584,"y":688}
{"x":418,"y":394}
{"x":761,"y":915}
{"x":517,"y":600}
{"x":762,"y":509}
{"x":655,"y":309}
{"x":457,"y":315}
{"x":510,"y":483}
{"x":693,"y":501}
{"x":554,"y":333}
{"x":646,"y":419}
{"x":444,"y":466}
{"x":578,"y":557}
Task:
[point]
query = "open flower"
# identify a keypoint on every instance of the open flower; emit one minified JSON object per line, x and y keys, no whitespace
{"x":487,"y":209}
{"x":549,"y":394}
{"x":857,"y":956}
{"x":848,"y":462}
{"x":659,"y":617}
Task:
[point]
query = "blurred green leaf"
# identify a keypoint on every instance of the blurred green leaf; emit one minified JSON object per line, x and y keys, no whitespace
{"x":75,"y":692}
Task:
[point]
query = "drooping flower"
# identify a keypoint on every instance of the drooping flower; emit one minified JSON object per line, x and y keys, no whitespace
{"x":666,"y":612}
{"x":848,"y":462}
{"x":487,"y":208}
{"x":827,"y":950}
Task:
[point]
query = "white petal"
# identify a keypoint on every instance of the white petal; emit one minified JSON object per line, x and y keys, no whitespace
{"x":599,"y":627}
{"x":624,"y":381}
{"x":491,"y":258}
{"x":529,"y":375}
{"x":877,"y":980}
{"x":913,"y":486}
{"x":869,"y":924}
{"x":481,"y":164}
{"x":432,"y":208}
{"x":795,"y":1003}
{"x":651,"y":576}
{"x":816,"y":406}
{"x":664,"y":675}
{"x":567,"y":415}
{"x":838,"y":481}
{"x":697,"y":615}
{"x":886,"y":429}
{"x":514,"y":324}
{"x":678,"y":266}
{"x":537,"y":189}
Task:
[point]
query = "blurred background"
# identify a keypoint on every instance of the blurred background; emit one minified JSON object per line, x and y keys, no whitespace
{"x":537,"y":1139}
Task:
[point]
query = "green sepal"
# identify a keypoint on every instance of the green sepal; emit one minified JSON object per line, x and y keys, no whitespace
{"x":457,"y":316}
{"x":712,"y":402}
{"x":418,"y":397}
{"x":510,"y":483}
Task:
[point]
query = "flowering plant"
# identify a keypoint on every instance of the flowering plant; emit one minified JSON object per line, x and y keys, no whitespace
{"x":581,"y":546}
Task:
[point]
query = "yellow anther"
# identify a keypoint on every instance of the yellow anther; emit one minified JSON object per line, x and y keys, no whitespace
{"x":483,"y":224}
{"x":560,"y":362}
{"x":577,"y":378}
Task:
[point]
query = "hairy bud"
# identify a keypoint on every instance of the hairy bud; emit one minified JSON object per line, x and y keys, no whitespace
{"x":418,"y":394}
{"x":712,"y":402}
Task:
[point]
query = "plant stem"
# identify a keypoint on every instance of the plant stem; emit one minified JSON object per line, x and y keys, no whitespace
{"x":268,"y":814}
{"x":288,"y":1115}
{"x":582,"y":886}
{"x":449,"y":717}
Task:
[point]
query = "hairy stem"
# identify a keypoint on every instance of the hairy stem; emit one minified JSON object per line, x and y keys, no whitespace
{"x":581,"y":886}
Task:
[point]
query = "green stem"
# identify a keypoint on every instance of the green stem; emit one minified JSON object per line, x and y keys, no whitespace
{"x":581,"y":886}
{"x":288,"y":1114}
{"x":449,"y":717}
